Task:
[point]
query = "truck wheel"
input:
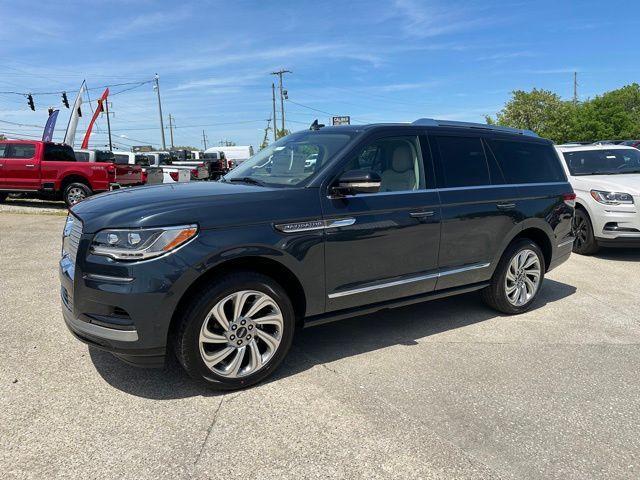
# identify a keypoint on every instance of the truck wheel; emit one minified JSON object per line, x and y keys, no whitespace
{"x":585,"y":242}
{"x":76,"y":192}
{"x":3,"y":196}
{"x":236,"y":331}
{"x":516,"y":282}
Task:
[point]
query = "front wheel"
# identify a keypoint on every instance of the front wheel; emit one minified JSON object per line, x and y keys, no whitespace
{"x":236,"y":331}
{"x":516,"y":282}
{"x":75,"y":193}
{"x":585,"y":242}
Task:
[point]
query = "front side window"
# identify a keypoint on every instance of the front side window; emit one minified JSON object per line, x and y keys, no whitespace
{"x":527,"y":162}
{"x":3,"y":150}
{"x":58,"y":153}
{"x":292,"y":160}
{"x":397,"y":160}
{"x":603,"y":162}
{"x":463,"y":162}
{"x":82,"y":156}
{"x":22,"y":150}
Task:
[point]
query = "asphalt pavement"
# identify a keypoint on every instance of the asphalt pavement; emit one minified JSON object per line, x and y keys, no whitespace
{"x":446,"y":389}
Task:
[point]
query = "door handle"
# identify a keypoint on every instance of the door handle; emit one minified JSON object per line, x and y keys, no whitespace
{"x":506,"y":206}
{"x":430,"y":213}
{"x":30,"y":165}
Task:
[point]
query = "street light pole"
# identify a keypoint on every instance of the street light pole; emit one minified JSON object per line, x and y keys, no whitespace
{"x":157,"y":88}
{"x":280,"y":73}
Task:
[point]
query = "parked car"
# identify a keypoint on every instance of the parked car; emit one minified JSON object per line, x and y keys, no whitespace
{"x":223,"y":272}
{"x":150,"y":175}
{"x":235,"y":154}
{"x":606,"y":180}
{"x":170,"y":173}
{"x":126,"y":175}
{"x":201,"y":169}
{"x":197,"y":171}
{"x":50,"y":170}
{"x":631,"y":143}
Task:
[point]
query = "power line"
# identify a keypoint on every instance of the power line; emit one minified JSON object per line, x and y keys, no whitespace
{"x":60,"y":92}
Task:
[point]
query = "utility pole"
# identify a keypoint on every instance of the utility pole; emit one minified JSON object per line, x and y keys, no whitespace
{"x":275,"y":120}
{"x":204,"y":140}
{"x":575,"y":88}
{"x":280,"y":73}
{"x":157,"y":89}
{"x":171,"y":129}
{"x":106,"y":106}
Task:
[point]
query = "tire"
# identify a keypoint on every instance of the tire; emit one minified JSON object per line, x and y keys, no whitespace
{"x":222,"y":295}
{"x":496,"y":294}
{"x":585,"y":242}
{"x":3,"y":196}
{"x":75,"y":193}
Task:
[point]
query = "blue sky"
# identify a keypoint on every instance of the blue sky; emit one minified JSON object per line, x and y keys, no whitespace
{"x":388,"y":60}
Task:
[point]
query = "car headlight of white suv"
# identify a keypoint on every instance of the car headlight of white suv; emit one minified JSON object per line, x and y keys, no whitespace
{"x":612,"y":198}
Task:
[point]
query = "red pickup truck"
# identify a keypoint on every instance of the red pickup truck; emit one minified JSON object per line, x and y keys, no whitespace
{"x":50,"y":170}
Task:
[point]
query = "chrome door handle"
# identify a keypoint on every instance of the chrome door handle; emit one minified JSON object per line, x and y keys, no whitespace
{"x":430,"y":213}
{"x":30,"y":165}
{"x":506,"y":206}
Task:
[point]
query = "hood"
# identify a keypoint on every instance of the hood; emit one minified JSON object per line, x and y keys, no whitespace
{"x":209,"y":204}
{"x":625,"y":182}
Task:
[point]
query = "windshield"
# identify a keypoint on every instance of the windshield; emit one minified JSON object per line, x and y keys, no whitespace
{"x":291,"y":160}
{"x":603,"y":162}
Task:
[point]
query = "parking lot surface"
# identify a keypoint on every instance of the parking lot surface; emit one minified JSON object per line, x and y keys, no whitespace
{"x":446,"y":389}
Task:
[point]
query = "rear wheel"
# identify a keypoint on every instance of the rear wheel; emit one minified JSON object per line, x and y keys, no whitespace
{"x":585,"y":242}
{"x":75,"y":193}
{"x":516,"y":282}
{"x":236,"y":332}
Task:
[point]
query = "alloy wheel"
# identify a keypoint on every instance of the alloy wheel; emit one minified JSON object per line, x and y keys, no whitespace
{"x":523,"y":277}
{"x":241,"y":334}
{"x":75,"y":195}
{"x":581,"y":231}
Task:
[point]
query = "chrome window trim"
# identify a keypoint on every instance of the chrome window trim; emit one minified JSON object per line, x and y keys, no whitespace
{"x":501,"y":185}
{"x":405,"y":281}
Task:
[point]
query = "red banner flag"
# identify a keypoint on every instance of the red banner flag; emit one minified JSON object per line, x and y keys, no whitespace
{"x":85,"y":142}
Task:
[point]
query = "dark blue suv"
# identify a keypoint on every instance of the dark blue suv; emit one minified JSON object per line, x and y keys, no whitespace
{"x":323,"y":224}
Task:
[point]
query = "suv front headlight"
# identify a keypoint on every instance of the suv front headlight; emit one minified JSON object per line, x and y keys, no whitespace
{"x":612,"y":198}
{"x":142,"y":243}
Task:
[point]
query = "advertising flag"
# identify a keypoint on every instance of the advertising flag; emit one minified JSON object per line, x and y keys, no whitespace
{"x":76,"y":113}
{"x":47,"y":135}
{"x":85,"y":142}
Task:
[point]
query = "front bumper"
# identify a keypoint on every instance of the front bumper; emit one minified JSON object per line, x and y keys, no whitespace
{"x":122,"y":308}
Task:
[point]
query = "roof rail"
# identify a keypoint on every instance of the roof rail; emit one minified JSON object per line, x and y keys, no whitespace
{"x":430,"y":122}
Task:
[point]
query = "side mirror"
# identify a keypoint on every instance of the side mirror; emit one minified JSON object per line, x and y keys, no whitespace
{"x":358,"y":181}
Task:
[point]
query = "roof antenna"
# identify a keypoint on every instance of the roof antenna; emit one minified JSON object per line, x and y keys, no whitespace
{"x":315,"y":125}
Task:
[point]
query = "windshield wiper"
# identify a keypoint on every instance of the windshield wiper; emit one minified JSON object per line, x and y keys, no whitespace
{"x":249,"y":180}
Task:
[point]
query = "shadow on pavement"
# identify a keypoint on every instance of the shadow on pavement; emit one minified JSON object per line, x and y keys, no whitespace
{"x":619,"y":254}
{"x":401,"y":326}
{"x":22,"y":202}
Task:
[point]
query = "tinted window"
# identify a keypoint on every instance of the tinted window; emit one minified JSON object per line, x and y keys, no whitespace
{"x":58,"y":153}
{"x":82,"y":156}
{"x":142,"y":160}
{"x":463,"y":162}
{"x":601,"y":162}
{"x":104,"y":156}
{"x":3,"y":149}
{"x":523,"y":162}
{"x":22,"y":150}
{"x":121,"y":159}
{"x":397,"y":160}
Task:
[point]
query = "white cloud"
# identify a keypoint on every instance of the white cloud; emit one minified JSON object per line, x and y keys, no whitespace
{"x":143,"y":23}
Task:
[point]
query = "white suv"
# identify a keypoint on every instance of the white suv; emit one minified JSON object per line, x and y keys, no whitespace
{"x":606,"y":180}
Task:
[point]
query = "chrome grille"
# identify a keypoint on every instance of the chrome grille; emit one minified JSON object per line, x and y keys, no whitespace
{"x":72,"y":237}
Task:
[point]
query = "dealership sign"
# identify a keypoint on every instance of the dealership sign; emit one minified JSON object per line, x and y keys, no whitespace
{"x":345,"y":120}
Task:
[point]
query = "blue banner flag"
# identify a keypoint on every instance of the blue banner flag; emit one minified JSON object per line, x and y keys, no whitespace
{"x":47,"y":135}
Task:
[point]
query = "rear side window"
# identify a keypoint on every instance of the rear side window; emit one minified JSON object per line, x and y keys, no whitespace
{"x":524,"y":162}
{"x":22,"y":150}
{"x":142,"y":160}
{"x":82,"y":156}
{"x":104,"y":156}
{"x":58,"y":153}
{"x":463,"y":162}
{"x":121,"y":159}
{"x":3,"y":150}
